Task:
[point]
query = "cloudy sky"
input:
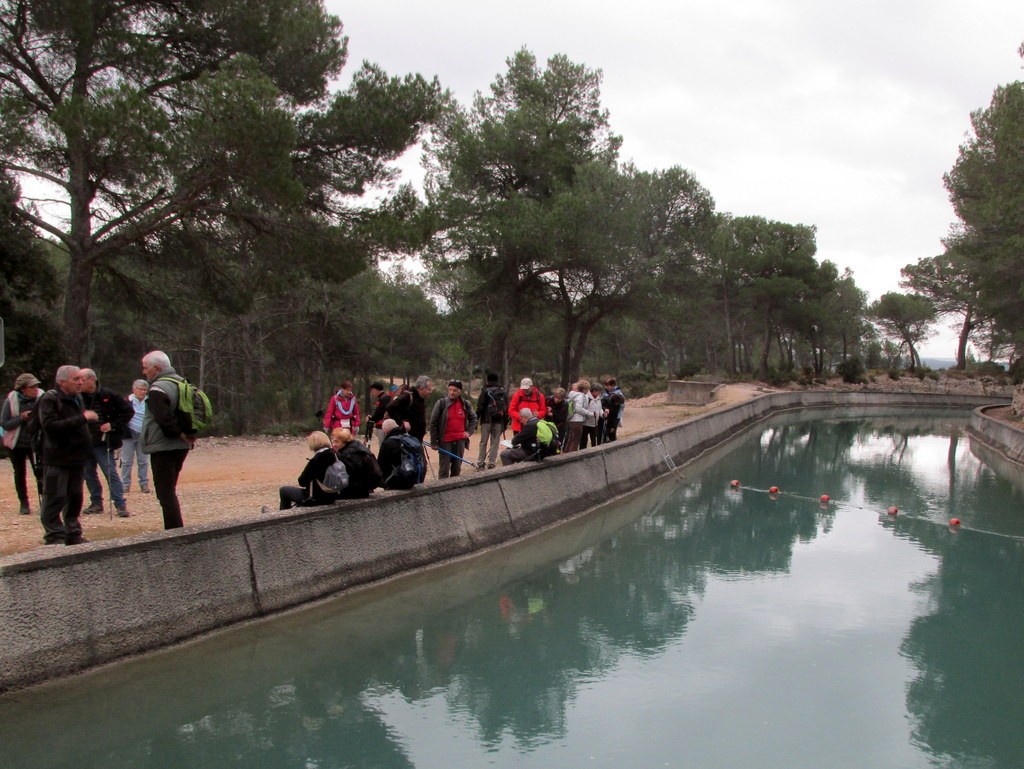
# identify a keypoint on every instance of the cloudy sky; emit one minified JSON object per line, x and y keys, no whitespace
{"x":844,"y":117}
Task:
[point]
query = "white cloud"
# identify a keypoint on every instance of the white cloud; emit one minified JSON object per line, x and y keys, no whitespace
{"x":842,"y":116}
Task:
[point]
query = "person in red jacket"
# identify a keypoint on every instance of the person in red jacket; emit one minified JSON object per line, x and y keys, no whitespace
{"x":342,"y":410}
{"x":526,"y":397}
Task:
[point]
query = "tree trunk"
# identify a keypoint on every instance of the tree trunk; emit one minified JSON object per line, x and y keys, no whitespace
{"x":961,"y":346}
{"x":76,"y":309}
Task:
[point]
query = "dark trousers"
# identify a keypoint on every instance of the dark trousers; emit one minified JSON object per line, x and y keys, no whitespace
{"x":447,"y":465}
{"x":62,"y":503}
{"x":23,"y":459}
{"x":291,"y":496}
{"x":588,"y":434}
{"x":166,"y":467}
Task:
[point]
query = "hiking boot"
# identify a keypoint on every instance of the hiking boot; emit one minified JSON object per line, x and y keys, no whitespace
{"x":93,"y":509}
{"x":122,"y":512}
{"x":144,"y":489}
{"x":25,"y":510}
{"x":78,"y":539}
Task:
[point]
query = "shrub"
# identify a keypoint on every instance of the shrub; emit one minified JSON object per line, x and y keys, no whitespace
{"x":851,"y":370}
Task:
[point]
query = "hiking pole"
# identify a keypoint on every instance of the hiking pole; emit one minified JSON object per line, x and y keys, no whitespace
{"x":445,"y":451}
{"x":110,"y":487}
{"x":426,"y":458}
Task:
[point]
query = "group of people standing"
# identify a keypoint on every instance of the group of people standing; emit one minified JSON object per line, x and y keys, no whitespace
{"x":588,"y":414}
{"x":78,"y":430}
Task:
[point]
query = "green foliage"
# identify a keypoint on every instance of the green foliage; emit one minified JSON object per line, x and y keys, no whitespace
{"x":986,"y":188}
{"x":203,"y":125}
{"x":852,"y":370}
{"x":688,"y":369}
{"x":28,"y":289}
{"x":906,"y":318}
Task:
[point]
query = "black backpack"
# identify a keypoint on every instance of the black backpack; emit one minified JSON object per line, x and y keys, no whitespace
{"x":496,"y":406}
{"x":411,"y":469}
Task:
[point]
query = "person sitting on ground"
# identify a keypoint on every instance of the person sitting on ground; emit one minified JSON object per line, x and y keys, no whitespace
{"x":395,"y":475}
{"x":310,"y":491}
{"x":524,"y":443}
{"x":363,"y":471}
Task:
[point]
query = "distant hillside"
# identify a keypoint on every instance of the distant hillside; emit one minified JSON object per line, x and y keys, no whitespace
{"x":937,"y":363}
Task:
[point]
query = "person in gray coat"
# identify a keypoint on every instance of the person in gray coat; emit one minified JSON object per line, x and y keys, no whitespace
{"x":164,"y":438}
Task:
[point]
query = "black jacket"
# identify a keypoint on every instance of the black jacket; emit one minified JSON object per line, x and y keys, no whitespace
{"x":390,"y":455}
{"x":357,"y":460}
{"x":66,"y":440}
{"x":110,"y":407}
{"x":527,"y":437}
{"x":314,"y":471}
{"x":410,"y":407}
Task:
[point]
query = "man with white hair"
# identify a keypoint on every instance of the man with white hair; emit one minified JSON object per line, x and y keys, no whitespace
{"x":66,"y":447}
{"x":164,"y":438}
{"x":524,"y":443}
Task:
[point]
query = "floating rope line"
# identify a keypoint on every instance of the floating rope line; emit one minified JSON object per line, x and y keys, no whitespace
{"x":954,"y":524}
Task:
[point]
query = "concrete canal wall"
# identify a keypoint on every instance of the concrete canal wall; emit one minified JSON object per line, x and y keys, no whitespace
{"x":68,"y":609}
{"x":996,"y":434}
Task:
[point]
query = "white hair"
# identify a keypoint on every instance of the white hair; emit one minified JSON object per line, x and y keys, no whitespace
{"x":64,"y":373}
{"x":525,"y":414}
{"x":157,"y":358}
{"x":140,"y":383}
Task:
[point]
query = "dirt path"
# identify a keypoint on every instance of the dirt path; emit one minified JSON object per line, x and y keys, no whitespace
{"x":230,"y":478}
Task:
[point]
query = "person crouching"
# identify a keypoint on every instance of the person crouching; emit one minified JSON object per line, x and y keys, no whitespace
{"x":524,"y":443}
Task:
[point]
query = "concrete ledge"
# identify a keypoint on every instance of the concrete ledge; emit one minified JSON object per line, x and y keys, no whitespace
{"x":689,"y":393}
{"x":74,"y":608}
{"x":1005,"y":438}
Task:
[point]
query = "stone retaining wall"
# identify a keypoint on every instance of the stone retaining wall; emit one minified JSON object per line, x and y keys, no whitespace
{"x":1005,"y":438}
{"x":69,"y":609}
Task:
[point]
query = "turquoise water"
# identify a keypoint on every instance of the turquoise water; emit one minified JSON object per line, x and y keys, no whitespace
{"x":692,"y":626}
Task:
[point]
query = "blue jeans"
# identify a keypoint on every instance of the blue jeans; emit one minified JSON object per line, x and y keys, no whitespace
{"x":104,"y":461}
{"x":130,"y":454}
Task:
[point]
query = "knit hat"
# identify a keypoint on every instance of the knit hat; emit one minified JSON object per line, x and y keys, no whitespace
{"x":455,"y":383}
{"x":492,"y":379}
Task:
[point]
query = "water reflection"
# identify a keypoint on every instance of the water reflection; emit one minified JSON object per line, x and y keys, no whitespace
{"x":496,"y":656}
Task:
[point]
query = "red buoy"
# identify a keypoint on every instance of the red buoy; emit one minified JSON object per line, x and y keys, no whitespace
{"x":825,"y":497}
{"x":893,"y":510}
{"x":734,"y":483}
{"x":773,"y":490}
{"x":954,"y":521}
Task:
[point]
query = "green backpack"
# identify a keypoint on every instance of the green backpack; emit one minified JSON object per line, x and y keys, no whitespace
{"x":547,"y":439}
{"x":195,"y":412}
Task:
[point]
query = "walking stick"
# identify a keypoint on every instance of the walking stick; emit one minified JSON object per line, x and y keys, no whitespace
{"x":110,"y":490}
{"x":456,"y":456}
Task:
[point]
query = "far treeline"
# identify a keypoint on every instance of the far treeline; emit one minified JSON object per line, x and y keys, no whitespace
{"x":179,"y":176}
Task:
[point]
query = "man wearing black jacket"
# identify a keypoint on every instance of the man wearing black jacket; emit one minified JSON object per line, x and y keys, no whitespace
{"x":107,"y":434}
{"x":66,"y":447}
{"x":524,"y":443}
{"x":410,"y":408}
